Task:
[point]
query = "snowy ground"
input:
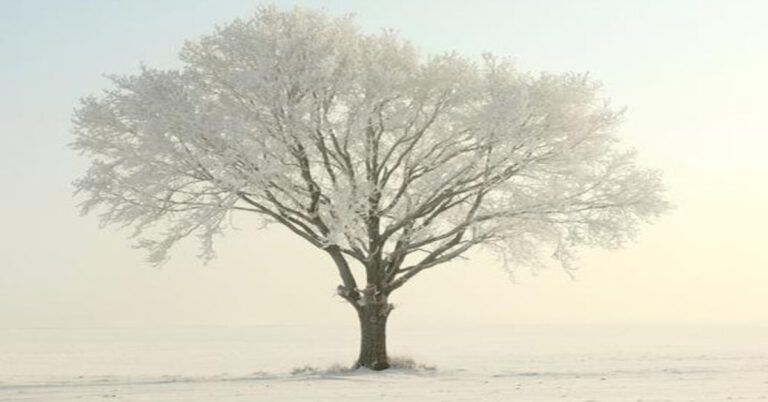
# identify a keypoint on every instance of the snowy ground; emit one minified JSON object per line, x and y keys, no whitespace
{"x":554,"y":363}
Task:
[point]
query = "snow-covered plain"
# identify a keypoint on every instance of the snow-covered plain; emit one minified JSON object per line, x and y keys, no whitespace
{"x":482,"y":363}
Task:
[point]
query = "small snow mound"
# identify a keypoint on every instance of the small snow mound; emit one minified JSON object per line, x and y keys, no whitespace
{"x":407,"y":363}
{"x":402,"y":364}
{"x":334,"y":369}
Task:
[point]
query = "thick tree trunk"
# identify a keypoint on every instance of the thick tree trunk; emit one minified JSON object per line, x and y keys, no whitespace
{"x":373,"y":335}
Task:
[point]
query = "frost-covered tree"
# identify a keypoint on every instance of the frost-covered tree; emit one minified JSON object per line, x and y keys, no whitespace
{"x":391,"y":161}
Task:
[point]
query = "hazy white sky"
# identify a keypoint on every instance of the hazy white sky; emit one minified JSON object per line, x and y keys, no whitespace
{"x":692,"y":74}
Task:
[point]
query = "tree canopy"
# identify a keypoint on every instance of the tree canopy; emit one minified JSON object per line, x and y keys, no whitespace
{"x":391,"y":160}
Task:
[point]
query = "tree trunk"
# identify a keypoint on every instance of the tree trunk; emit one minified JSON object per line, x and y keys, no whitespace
{"x":373,"y":335}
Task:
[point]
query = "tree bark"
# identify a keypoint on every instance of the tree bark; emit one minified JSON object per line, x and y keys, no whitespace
{"x":373,"y":335}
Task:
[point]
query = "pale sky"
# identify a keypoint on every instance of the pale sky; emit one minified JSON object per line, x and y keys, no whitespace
{"x":693,"y":75}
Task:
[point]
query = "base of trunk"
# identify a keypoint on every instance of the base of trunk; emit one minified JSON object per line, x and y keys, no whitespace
{"x":373,"y":335}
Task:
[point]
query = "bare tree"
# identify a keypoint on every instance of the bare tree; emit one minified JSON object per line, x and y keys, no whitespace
{"x":391,"y":161}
